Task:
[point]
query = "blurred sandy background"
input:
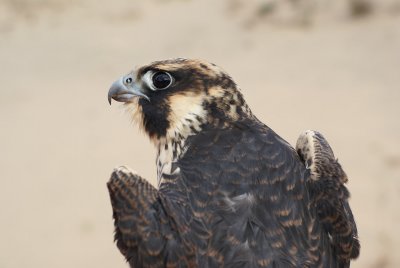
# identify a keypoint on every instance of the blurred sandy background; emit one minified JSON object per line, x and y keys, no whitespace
{"x":333,"y":66}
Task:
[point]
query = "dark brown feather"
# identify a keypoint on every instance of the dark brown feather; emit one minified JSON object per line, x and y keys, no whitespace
{"x":151,"y":230}
{"x":329,"y":194}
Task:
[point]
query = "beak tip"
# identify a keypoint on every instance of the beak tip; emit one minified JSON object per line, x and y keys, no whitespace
{"x":119,"y":92}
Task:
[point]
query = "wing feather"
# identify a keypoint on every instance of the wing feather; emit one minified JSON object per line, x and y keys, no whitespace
{"x":150,"y":229}
{"x":329,"y":194}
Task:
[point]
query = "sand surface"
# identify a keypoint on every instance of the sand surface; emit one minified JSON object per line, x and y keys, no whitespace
{"x":60,"y":139}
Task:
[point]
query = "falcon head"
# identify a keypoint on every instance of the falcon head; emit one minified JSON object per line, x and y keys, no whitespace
{"x":173,"y":99}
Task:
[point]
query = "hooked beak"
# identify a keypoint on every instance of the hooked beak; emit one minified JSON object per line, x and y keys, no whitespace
{"x":120,"y":92}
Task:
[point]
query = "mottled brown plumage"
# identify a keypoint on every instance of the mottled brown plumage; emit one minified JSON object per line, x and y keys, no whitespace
{"x":232,"y":193}
{"x":329,"y":194}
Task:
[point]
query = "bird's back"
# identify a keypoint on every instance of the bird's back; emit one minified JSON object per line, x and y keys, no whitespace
{"x":249,"y":187}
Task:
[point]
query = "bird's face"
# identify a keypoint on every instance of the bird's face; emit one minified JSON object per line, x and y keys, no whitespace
{"x":176,"y":97}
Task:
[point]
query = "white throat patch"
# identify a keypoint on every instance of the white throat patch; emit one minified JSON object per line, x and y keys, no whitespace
{"x":167,"y":157}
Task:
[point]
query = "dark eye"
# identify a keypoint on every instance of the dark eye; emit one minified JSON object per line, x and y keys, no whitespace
{"x":128,"y":80}
{"x":161,"y":80}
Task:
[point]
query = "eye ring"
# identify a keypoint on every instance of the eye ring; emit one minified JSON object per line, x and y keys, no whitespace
{"x":161,"y":80}
{"x":128,"y":80}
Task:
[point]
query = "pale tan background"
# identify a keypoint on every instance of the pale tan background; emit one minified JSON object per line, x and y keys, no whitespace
{"x":301,"y":65}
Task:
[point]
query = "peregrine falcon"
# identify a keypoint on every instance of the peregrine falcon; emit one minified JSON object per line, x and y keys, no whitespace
{"x":231,"y":192}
